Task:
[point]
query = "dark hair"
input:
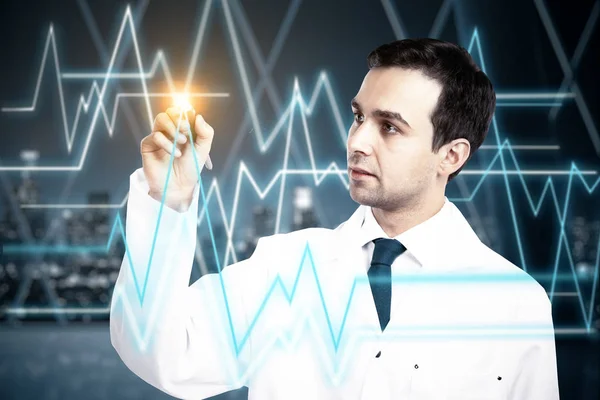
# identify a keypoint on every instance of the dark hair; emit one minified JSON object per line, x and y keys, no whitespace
{"x":467,"y":100}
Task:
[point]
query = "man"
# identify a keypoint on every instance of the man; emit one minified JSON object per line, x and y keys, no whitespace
{"x":401,"y":301}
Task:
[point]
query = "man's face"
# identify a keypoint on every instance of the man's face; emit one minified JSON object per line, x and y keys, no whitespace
{"x":391,"y":139}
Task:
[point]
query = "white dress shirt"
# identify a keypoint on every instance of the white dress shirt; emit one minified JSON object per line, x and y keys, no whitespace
{"x":297,"y":319}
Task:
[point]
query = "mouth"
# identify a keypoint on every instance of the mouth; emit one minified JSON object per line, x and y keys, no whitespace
{"x":358,"y":173}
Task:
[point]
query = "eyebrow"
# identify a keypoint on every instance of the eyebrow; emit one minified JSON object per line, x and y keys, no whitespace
{"x":387,"y":114}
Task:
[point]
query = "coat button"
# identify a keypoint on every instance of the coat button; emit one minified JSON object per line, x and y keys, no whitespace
{"x":378,"y":354}
{"x":499,"y":378}
{"x":416,"y":366}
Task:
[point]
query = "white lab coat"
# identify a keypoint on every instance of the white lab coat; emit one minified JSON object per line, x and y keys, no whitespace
{"x":473,"y":338}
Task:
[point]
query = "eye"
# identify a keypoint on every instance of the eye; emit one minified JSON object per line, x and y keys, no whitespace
{"x":388,"y":128}
{"x":358,"y":117}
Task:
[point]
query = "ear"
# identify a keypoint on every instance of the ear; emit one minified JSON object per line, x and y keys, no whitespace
{"x":454,"y":155}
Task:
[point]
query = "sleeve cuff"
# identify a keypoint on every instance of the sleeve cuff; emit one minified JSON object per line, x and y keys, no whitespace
{"x":139,"y":188}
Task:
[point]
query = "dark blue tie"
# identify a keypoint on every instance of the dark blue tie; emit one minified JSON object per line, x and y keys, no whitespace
{"x":380,"y":276}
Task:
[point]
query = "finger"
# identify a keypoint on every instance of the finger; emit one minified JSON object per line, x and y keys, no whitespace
{"x":204,"y":133}
{"x":191,"y":117}
{"x":190,"y":114}
{"x":179,"y":120}
{"x":164,"y":124}
{"x":164,"y":143}
{"x":148,"y":144}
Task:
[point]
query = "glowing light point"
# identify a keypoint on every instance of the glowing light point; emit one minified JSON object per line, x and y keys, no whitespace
{"x":182,"y":102}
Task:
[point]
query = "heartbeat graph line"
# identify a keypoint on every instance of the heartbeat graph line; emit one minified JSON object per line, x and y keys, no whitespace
{"x":527,"y":99}
{"x":318,"y":175}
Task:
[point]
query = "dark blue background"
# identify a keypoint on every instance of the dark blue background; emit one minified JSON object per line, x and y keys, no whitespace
{"x":69,"y":358}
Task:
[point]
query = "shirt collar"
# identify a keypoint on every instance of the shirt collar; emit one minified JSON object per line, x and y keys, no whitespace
{"x":421,"y":240}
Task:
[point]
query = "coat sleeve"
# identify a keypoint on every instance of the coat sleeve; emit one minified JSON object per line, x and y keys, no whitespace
{"x":537,"y":375}
{"x":185,"y":340}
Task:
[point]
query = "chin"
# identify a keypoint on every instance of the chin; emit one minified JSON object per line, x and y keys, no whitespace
{"x":362,"y":196}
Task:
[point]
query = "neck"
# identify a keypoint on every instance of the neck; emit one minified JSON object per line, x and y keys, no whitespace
{"x":394,"y":222}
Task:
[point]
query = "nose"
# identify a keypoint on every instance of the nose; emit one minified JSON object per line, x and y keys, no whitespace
{"x":360,"y":139}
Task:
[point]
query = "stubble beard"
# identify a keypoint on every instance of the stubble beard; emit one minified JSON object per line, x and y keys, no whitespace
{"x":375,"y":197}
{"x":368,"y":196}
